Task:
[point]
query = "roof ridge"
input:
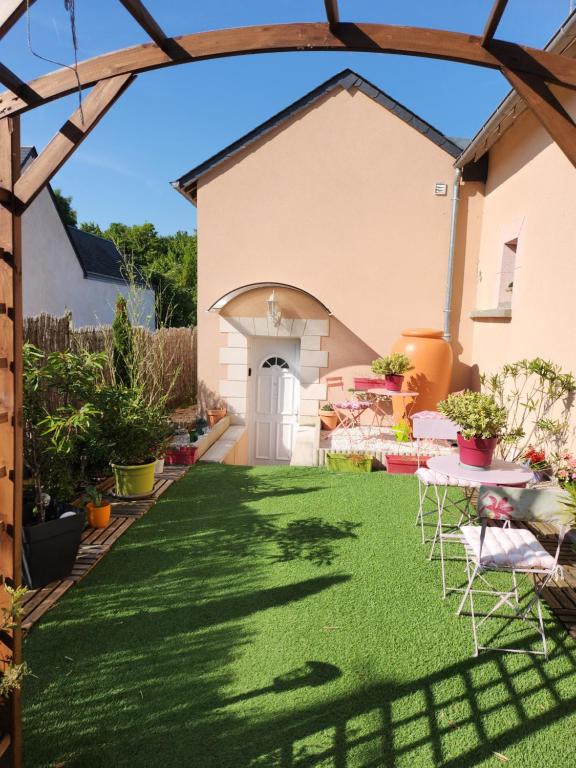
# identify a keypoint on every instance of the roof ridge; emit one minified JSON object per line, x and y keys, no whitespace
{"x":346,"y":78}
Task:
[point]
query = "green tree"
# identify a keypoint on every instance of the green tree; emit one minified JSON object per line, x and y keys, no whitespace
{"x":167,"y":262}
{"x":64,"y":205}
{"x":122,"y":344}
{"x":92,"y":228}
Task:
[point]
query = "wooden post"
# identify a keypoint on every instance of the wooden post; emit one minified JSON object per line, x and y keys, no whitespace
{"x":11,"y":428}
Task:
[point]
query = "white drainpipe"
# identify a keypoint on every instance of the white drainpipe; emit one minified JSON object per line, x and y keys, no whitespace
{"x":451,"y":252}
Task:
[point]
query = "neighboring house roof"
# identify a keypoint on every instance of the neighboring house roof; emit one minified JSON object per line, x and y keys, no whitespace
{"x":26,"y":154}
{"x":98,"y":257}
{"x":512,"y":106}
{"x":346,"y":79}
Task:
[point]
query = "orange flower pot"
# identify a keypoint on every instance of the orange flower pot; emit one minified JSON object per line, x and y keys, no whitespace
{"x":98,"y":517}
{"x":215,"y":414}
{"x":329,"y":420}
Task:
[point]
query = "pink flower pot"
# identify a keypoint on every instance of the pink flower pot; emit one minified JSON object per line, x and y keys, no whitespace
{"x":394,"y":382}
{"x":476,"y":452}
{"x":367,"y":383}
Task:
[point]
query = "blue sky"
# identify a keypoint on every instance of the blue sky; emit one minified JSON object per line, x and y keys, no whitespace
{"x":171,"y":120}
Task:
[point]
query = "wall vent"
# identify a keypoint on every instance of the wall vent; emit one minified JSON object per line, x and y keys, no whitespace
{"x":440,"y":188}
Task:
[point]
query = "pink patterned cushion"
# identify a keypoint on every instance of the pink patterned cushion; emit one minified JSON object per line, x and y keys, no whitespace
{"x":507,"y":548}
{"x":352,"y":405}
{"x":429,"y":477}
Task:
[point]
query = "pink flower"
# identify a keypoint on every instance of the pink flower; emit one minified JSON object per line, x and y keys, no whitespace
{"x":501,"y":509}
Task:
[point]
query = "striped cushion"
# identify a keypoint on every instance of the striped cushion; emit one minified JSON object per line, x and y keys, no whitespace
{"x":429,"y":477}
{"x":507,"y":548}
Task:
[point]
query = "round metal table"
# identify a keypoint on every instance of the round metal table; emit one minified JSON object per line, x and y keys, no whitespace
{"x":499,"y":473}
{"x":379,"y":393}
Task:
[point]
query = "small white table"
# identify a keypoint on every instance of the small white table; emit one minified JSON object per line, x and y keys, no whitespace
{"x":499,"y":473}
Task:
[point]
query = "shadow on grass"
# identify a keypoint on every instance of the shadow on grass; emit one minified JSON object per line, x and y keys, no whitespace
{"x":137,"y":665}
{"x":310,"y":538}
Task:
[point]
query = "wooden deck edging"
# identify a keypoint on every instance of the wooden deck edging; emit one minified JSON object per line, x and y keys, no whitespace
{"x":96,"y":543}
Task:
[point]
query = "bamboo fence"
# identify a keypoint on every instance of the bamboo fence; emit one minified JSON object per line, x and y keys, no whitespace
{"x":167,"y":356}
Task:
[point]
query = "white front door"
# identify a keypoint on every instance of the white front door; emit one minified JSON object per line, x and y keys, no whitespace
{"x":274,"y":400}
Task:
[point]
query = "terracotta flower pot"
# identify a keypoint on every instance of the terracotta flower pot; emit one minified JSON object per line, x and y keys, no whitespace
{"x":329,"y":420}
{"x":476,"y":452}
{"x":215,"y":415}
{"x":98,"y":517}
{"x":394,"y":382}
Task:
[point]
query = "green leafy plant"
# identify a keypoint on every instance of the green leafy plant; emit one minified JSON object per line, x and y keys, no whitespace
{"x":538,"y":397}
{"x":402,"y":431}
{"x":130,"y":430}
{"x":395,"y":364}
{"x":11,"y":675}
{"x":477,"y":414}
{"x":58,"y":416}
{"x":327,"y":407}
{"x":94,"y":495}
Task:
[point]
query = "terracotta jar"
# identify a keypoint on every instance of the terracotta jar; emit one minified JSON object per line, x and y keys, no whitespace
{"x":431,"y":357}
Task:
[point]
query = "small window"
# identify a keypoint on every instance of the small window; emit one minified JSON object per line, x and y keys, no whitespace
{"x":507,"y":274}
{"x":272,"y":361}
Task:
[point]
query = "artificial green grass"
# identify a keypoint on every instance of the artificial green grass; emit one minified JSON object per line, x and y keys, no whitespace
{"x":283,"y":617}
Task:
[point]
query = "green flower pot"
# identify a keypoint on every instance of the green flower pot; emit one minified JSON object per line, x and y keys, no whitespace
{"x":343,"y":462}
{"x":134,"y":482}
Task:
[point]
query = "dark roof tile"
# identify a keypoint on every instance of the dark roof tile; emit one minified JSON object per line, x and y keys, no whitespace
{"x":98,"y":257}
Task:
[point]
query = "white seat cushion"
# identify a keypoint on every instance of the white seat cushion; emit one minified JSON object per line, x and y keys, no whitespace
{"x":507,"y":548}
{"x":429,"y":477}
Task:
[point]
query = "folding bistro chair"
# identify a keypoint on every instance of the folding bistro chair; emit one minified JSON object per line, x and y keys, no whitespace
{"x":433,"y":486}
{"x":348,"y":411}
{"x":514,"y":551}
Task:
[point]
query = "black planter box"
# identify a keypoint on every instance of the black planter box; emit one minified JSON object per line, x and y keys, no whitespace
{"x":50,"y":549}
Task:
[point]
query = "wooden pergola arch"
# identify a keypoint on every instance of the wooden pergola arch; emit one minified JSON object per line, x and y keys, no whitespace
{"x":530,"y":71}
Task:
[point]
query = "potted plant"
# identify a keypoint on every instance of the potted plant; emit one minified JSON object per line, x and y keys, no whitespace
{"x":215,"y":415}
{"x":349,"y":462}
{"x":328,"y":417}
{"x":393,"y":367}
{"x":58,"y":417}
{"x":98,"y":507}
{"x":481,"y":421}
{"x":200,"y":426}
{"x":537,"y":462}
{"x":131,"y":430}
{"x":564,"y":470}
{"x":165,"y":437}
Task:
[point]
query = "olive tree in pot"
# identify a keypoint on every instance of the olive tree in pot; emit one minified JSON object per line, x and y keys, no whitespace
{"x":130,"y":434}
{"x":58,"y":417}
{"x":392,"y":368}
{"x":481,"y":421}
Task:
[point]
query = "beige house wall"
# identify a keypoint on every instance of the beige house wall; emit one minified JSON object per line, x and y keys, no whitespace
{"x":340,"y":203}
{"x":530,"y":195}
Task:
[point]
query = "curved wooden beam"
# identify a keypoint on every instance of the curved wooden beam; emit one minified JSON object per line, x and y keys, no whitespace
{"x":68,"y":139}
{"x":367,"y":38}
{"x":11,"y":11}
